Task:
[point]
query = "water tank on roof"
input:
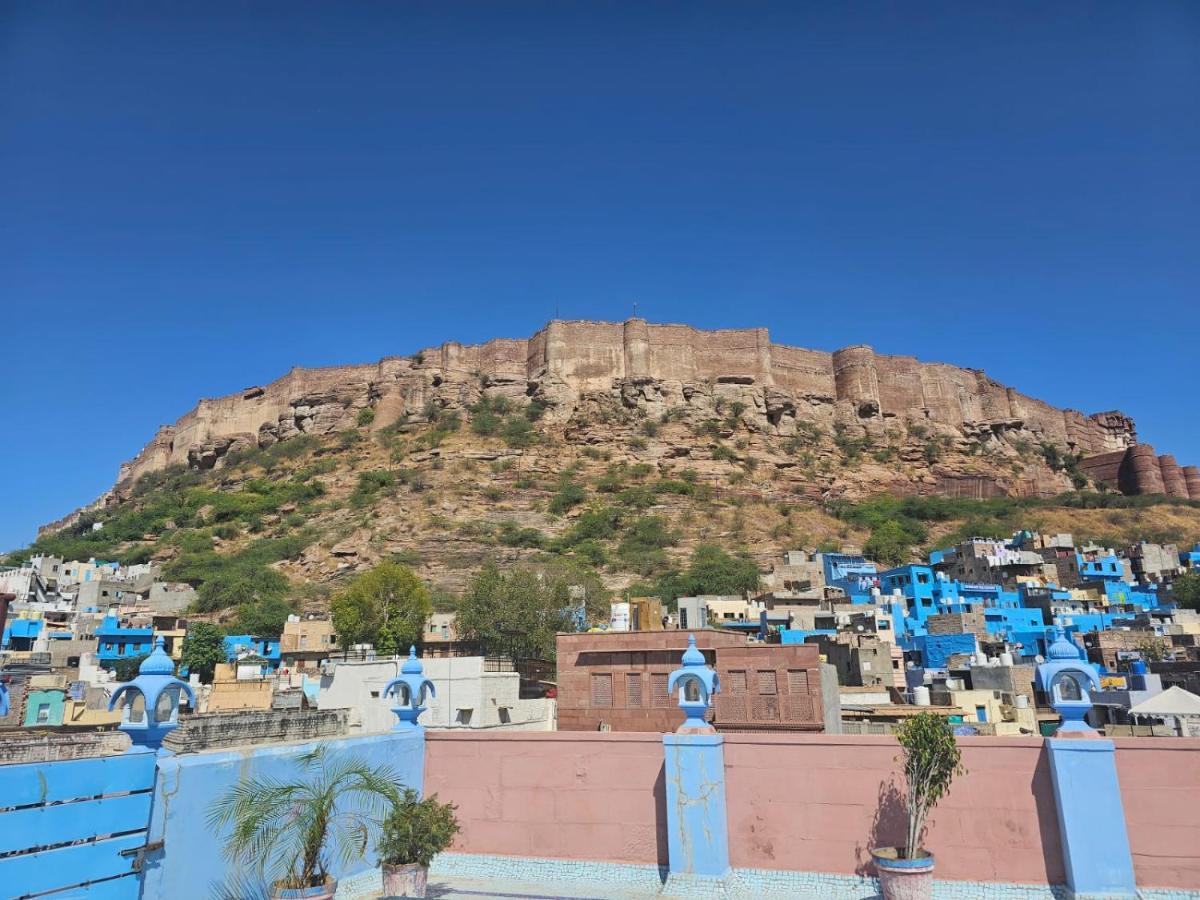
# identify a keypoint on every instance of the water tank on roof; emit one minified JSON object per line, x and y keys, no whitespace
{"x":921,"y":696}
{"x":1006,"y":658}
{"x":1022,"y":701}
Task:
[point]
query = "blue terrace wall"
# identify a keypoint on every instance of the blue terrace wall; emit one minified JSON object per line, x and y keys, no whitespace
{"x":191,"y":863}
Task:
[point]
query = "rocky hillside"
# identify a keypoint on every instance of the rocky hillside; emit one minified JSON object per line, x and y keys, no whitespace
{"x":824,"y":424}
{"x":622,"y":483}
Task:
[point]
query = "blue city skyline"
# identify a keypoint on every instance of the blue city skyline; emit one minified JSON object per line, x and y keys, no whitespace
{"x":198,"y":200}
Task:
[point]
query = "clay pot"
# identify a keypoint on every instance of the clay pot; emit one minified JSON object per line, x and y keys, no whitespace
{"x":903,"y":879}
{"x":404,"y":881}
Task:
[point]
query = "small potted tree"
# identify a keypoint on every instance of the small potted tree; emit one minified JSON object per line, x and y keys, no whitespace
{"x":931,"y":761}
{"x":289,"y":833}
{"x":414,"y":832}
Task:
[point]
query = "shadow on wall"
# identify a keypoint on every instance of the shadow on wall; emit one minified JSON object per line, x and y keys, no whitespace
{"x":1042,"y":787}
{"x":889,"y":827}
{"x":660,"y":817}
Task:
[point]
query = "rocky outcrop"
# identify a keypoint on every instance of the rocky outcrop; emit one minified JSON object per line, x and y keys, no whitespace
{"x":579,"y":370}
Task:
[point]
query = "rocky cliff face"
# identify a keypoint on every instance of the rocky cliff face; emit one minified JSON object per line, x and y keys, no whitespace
{"x":585,"y":373}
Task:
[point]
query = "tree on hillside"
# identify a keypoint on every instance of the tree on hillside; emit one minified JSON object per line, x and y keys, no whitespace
{"x":1186,"y":591}
{"x":263,"y":617}
{"x":889,"y":544}
{"x":238,"y":587}
{"x":713,"y":571}
{"x":203,"y":648}
{"x":387,"y":606}
{"x":519,"y":612}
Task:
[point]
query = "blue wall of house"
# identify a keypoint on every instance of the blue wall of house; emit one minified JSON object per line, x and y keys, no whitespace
{"x":187,"y":785}
{"x":20,"y":633}
{"x":266,"y":647}
{"x":115,"y":642}
{"x":936,"y":649}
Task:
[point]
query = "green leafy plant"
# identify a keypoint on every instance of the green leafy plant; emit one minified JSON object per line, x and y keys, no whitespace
{"x":931,"y":761}
{"x":386,"y":606}
{"x":126,"y":668}
{"x":416,"y":830}
{"x":203,"y":648}
{"x":291,"y":832}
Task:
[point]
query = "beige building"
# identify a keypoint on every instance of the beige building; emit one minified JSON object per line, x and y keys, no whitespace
{"x":229,"y":692}
{"x":306,"y":643}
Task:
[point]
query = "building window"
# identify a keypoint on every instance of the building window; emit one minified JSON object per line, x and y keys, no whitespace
{"x":505,"y":717}
{"x":602,"y":690}
{"x":797,"y":681}
{"x":737,"y":681}
{"x":463,"y":717}
{"x":683,"y":617}
{"x":633,"y":689}
{"x":767,"y":683}
{"x":658,"y":689}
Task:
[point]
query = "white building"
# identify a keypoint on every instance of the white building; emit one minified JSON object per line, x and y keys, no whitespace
{"x":467,"y":696}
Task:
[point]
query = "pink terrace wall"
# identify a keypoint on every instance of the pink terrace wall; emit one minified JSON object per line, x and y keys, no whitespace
{"x":1160,"y":790}
{"x":809,"y":803}
{"x":564,"y":795}
{"x":806,"y":802}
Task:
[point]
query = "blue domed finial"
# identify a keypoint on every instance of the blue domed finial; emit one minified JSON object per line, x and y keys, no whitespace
{"x":692,"y":656}
{"x":409,"y":689}
{"x":412,"y":665}
{"x":161,"y":694}
{"x":1066,"y":677}
{"x":697,"y":684}
{"x":1062,"y":647}
{"x":157,"y":663}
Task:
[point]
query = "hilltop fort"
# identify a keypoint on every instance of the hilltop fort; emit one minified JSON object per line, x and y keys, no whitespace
{"x":575,"y":368}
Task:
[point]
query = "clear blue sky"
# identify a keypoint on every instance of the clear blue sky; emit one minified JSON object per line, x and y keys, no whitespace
{"x":195,"y":197}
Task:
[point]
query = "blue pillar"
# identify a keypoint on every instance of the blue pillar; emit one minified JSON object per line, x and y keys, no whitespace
{"x":1091,"y":819}
{"x":697,"y":829}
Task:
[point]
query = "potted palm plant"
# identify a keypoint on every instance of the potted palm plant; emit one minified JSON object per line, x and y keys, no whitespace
{"x":414,"y":832}
{"x":291,"y":832}
{"x":931,"y":761}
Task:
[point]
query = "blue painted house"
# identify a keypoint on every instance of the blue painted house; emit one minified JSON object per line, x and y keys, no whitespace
{"x":115,"y":642}
{"x":19,"y":634}
{"x":241,"y":644}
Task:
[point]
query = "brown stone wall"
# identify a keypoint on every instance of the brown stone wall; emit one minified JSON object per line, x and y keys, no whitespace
{"x":255,"y":727}
{"x":1145,"y":471}
{"x":855,"y":377}
{"x":1191,"y":477}
{"x":1106,"y":467}
{"x":1173,"y":481}
{"x":806,"y":373}
{"x":35,"y":748}
{"x":900,"y":383}
{"x":958,"y":623}
{"x":649,"y":655}
{"x":769,"y":685}
{"x":618,"y":679}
